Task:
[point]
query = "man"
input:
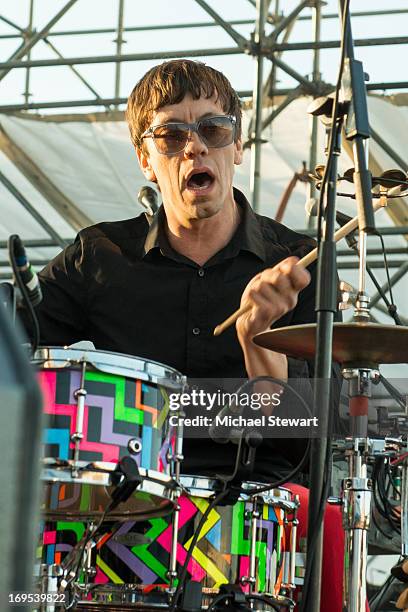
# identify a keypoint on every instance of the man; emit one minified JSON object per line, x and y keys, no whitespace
{"x":157,"y":289}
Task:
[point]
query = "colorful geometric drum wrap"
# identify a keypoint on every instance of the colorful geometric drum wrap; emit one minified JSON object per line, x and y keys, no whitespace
{"x":117,"y":410}
{"x":222,"y":553}
{"x":101,"y":407}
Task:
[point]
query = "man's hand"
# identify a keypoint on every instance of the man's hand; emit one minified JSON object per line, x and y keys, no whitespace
{"x":271,"y":294}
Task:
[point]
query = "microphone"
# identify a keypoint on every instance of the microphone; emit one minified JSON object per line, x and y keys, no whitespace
{"x":147,"y":197}
{"x":27,"y":274}
{"x":341,"y":218}
{"x":225,"y":433}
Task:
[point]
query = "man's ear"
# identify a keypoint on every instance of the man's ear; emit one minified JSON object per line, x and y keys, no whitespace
{"x":145,"y":165}
{"x":238,"y":152}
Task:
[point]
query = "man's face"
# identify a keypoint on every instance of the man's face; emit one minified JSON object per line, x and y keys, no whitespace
{"x":185,"y":197}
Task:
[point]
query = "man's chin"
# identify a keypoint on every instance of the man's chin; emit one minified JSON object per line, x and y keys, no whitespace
{"x":203,"y":207}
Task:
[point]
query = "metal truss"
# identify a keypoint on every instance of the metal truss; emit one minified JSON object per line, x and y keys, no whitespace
{"x":266,"y":49}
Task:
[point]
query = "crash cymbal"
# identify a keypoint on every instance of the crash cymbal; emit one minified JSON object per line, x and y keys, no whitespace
{"x":353,"y":343}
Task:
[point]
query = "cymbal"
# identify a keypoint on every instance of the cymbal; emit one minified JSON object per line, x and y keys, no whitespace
{"x":353,"y":343}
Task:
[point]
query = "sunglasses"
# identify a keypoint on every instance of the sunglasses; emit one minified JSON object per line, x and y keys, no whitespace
{"x":171,"y":138}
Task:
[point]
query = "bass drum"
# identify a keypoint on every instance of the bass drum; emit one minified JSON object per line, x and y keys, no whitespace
{"x":100,"y":407}
{"x":132,"y":559}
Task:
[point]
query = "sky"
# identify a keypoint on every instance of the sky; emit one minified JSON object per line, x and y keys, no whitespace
{"x":59,"y":83}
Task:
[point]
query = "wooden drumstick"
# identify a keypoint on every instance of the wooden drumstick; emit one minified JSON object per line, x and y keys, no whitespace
{"x":305,"y":261}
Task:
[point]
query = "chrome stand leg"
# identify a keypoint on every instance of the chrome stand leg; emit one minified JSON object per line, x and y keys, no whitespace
{"x":172,"y":573}
{"x":357,"y":489}
{"x":356,"y":521}
{"x":290,"y":586}
{"x":250,"y":580}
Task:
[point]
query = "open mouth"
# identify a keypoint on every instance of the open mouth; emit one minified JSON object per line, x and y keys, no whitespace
{"x":200,"y":181}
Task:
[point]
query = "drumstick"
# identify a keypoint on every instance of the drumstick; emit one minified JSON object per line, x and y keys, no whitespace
{"x":305,"y":261}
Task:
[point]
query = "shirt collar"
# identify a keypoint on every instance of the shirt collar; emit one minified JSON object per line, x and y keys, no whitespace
{"x":248,"y":236}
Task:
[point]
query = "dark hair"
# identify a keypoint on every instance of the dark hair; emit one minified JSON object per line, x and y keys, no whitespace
{"x":168,"y":83}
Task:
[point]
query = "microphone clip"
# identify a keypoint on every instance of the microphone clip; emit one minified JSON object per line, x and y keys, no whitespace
{"x":127,"y":478}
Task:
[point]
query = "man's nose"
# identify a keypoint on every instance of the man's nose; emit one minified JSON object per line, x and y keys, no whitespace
{"x":194,"y":145}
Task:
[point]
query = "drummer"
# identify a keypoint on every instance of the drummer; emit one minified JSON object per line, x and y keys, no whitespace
{"x":157,"y":287}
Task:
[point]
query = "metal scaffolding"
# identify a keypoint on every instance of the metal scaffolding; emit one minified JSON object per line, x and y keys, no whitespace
{"x":272,"y":28}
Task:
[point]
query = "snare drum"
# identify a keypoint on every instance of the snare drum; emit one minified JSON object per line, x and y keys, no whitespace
{"x":248,"y":543}
{"x":100,"y":407}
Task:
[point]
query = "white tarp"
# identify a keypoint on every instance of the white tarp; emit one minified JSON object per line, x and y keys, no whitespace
{"x":94,"y":163}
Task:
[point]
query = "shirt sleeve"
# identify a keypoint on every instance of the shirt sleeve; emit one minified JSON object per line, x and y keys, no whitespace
{"x":62,"y":312}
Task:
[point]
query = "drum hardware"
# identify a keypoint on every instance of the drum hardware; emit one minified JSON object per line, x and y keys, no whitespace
{"x":359,"y":390}
{"x":172,"y":572}
{"x":134,"y":446}
{"x":347,"y":297}
{"x":372,"y":447}
{"x":289,"y":586}
{"x":127,"y":479}
{"x":175,"y":456}
{"x":357,"y":494}
{"x":250,"y":580}
{"x":80,"y":395}
{"x":230,"y":596}
{"x":356,"y":521}
{"x":89,"y":569}
{"x":359,"y":347}
{"x":192,"y":597}
{"x":391,"y":421}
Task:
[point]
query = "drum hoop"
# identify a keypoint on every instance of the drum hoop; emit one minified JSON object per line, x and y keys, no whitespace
{"x":55,"y":357}
{"x":202,"y":486}
{"x":95,"y":473}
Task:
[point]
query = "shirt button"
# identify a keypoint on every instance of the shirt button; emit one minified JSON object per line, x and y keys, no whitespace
{"x":196,"y":331}
{"x":201,"y":272}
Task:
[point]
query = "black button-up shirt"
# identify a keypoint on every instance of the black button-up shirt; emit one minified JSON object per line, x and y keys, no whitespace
{"x":122,"y":286}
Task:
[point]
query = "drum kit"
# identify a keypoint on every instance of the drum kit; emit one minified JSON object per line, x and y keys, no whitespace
{"x":115,"y":538}
{"x":119,"y":518}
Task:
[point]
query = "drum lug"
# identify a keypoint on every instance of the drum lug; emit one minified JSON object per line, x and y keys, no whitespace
{"x":80,"y":396}
{"x":76,"y":436}
{"x":134,"y":446}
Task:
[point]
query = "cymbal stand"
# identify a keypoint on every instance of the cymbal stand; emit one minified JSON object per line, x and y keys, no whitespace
{"x":357,"y":489}
{"x":357,"y":486}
